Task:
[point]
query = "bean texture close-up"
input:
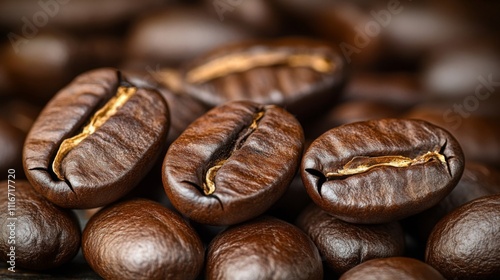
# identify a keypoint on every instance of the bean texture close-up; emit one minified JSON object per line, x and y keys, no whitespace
{"x":263,"y":139}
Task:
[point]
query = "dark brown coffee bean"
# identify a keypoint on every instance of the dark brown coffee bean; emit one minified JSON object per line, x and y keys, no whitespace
{"x":382,"y":170}
{"x":300,"y":74}
{"x":344,"y":245}
{"x":478,"y":180}
{"x":465,"y":244}
{"x":95,"y":140}
{"x":38,"y":234}
{"x":233,"y":163}
{"x":266,"y":248}
{"x":141,"y":239}
{"x":392,"y":268}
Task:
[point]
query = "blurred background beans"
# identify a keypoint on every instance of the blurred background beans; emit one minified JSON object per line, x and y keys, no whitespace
{"x":437,"y":61}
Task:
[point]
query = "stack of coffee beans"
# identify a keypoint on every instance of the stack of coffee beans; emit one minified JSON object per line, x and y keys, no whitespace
{"x":256,"y":139}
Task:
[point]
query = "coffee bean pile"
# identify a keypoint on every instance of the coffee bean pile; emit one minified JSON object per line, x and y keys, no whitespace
{"x":216,"y":139}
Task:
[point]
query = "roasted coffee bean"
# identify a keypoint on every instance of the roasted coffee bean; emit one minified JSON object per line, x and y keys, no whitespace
{"x":266,"y":248}
{"x":233,"y":163}
{"x":382,"y":170}
{"x":478,"y":180}
{"x":141,"y":239}
{"x":344,"y":245}
{"x":43,"y":235}
{"x":95,"y":140}
{"x":465,"y":244}
{"x":300,"y":74}
{"x":393,"y":268}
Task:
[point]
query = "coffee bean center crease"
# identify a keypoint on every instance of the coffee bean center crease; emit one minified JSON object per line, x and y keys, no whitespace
{"x":209,"y":182}
{"x":236,"y":63}
{"x":98,"y":119}
{"x":361,"y":164}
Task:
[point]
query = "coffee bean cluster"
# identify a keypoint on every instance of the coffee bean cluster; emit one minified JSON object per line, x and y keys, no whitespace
{"x":213,"y":139}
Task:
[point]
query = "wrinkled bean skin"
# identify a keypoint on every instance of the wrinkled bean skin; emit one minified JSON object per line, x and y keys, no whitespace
{"x":344,"y":245}
{"x":46,"y":236}
{"x":266,"y":248}
{"x":269,"y":76}
{"x":141,"y":239}
{"x":259,"y":147}
{"x":465,"y":244}
{"x":392,"y":268}
{"x":428,"y":163}
{"x":108,"y":163}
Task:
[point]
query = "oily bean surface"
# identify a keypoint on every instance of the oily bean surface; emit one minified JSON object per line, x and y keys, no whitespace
{"x":141,"y":239}
{"x":465,"y":244}
{"x":393,"y":268}
{"x":300,"y":74}
{"x":252,"y":152}
{"x":106,"y":164}
{"x":266,"y":248}
{"x":344,"y":245}
{"x":382,"y":170}
{"x":46,"y":236}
